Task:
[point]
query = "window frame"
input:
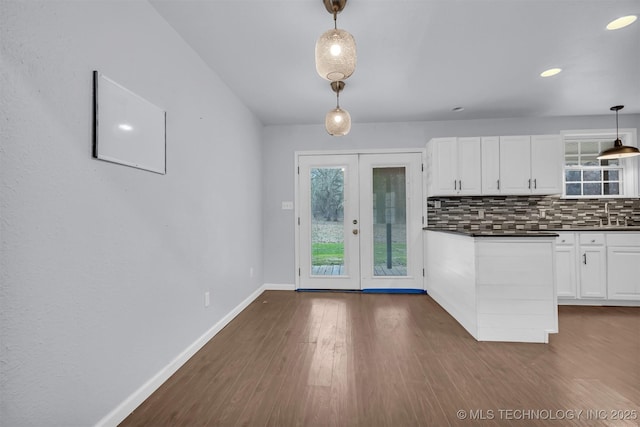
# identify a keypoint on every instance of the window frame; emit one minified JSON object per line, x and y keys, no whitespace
{"x":629,"y":184}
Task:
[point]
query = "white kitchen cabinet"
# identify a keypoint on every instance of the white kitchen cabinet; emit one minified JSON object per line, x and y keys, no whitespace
{"x":490,"y":146}
{"x":623,"y":266}
{"x":593,"y":278}
{"x":598,"y":267}
{"x":515,"y":164}
{"x":455,"y":167}
{"x":546,"y":164}
{"x":530,"y":164}
{"x":566,"y":266}
{"x":593,"y":264}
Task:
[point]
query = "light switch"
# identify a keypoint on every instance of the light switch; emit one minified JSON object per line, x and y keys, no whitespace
{"x":287,"y":206}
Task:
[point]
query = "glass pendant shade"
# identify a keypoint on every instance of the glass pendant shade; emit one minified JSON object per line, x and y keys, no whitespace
{"x":338,"y":122}
{"x":335,"y":55}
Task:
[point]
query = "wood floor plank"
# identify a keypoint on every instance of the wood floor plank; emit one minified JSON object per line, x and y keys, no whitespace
{"x":353,"y":359}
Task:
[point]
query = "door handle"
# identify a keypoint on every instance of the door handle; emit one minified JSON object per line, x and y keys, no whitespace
{"x":355,"y":231}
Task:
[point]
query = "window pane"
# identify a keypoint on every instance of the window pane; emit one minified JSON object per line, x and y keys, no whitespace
{"x":611,"y":175}
{"x":611,"y":188}
{"x":389,"y":222}
{"x":610,"y":162}
{"x":327,"y":221}
{"x":590,"y":160}
{"x":592,"y":175}
{"x":589,"y":147}
{"x":571,"y":175}
{"x":592,"y":189}
{"x":573,"y":190}
{"x":571,"y":148}
{"x":571,"y":162}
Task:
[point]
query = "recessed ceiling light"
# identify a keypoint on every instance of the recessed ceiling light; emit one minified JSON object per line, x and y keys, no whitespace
{"x":550,"y":72}
{"x":126,"y":127}
{"x":622,"y":22}
{"x":456,"y":109}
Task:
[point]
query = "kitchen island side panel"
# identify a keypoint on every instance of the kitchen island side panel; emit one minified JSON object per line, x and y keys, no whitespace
{"x":516,"y":289}
{"x":450,"y":276}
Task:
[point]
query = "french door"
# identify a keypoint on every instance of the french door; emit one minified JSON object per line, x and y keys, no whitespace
{"x":360,"y":221}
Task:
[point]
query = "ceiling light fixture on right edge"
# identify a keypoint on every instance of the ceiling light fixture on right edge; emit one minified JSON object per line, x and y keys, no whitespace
{"x":338,"y":121}
{"x":618,"y":151}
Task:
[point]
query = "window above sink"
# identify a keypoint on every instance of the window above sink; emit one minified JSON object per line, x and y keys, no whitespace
{"x":584,"y":176}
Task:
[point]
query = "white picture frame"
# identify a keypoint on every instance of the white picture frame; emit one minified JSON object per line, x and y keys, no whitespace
{"x":127,"y":129}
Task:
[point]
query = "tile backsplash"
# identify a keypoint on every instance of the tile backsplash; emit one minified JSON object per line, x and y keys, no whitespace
{"x":528,"y":212}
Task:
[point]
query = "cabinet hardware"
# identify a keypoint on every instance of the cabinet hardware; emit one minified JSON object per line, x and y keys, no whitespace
{"x":535,"y":183}
{"x":498,"y":181}
{"x":460,"y":185}
{"x":584,"y":257}
{"x":529,"y":183}
{"x":355,"y":231}
{"x":455,"y":184}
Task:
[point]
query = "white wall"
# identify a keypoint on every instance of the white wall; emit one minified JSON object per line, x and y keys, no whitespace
{"x":103,"y":267}
{"x":280,"y":143}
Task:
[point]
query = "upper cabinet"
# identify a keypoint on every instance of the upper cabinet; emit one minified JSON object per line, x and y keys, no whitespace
{"x":506,"y":165}
{"x":454,"y":167}
{"x":531,"y":164}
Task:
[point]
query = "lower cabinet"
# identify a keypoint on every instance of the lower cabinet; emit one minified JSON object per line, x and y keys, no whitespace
{"x":593,"y":278}
{"x":566,"y":270}
{"x":598,"y":267}
{"x":623,"y":267}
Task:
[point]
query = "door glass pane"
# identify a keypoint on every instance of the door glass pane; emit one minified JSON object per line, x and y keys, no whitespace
{"x":389,"y":222}
{"x":327,"y":221}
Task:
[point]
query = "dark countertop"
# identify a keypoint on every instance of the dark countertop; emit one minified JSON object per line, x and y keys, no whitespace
{"x":497,"y":233}
{"x":598,"y":229}
{"x":531,"y":233}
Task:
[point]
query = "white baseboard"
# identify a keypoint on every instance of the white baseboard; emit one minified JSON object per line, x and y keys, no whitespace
{"x":278,"y":287}
{"x":118,"y":414}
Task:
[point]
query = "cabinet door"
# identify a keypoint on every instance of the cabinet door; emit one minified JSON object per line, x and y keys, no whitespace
{"x":623,"y":273}
{"x":566,"y":271}
{"x":515,"y":165}
{"x":490,"y":147}
{"x":469,"y":173}
{"x":546,"y":164}
{"x":445,"y":166}
{"x":593,"y":278}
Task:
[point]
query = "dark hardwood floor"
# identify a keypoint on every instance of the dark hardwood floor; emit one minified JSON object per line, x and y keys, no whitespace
{"x":351,"y":359}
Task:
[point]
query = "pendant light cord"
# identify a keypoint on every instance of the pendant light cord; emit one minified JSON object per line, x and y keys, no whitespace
{"x":617,"y":136}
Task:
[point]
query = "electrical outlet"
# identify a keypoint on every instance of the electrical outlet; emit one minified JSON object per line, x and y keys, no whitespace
{"x":543,"y":213}
{"x":207,"y":300}
{"x":287,"y":206}
{"x":437,"y":204}
{"x":480,"y":213}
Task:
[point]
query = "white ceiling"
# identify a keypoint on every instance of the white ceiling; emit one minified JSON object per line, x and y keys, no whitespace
{"x":417,"y":59}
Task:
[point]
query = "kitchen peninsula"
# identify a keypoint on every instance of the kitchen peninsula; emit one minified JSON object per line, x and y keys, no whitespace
{"x":500,"y":285}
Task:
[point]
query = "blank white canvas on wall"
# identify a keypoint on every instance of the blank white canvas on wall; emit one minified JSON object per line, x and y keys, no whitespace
{"x":128,"y":129}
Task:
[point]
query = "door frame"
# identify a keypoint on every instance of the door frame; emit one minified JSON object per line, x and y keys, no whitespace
{"x":296,"y":171}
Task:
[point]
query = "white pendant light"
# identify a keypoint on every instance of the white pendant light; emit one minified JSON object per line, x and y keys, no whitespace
{"x":618,"y":151}
{"x":338,"y":121}
{"x":335,"y":49}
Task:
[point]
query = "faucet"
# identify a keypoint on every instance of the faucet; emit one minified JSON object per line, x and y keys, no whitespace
{"x":606,"y":210}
